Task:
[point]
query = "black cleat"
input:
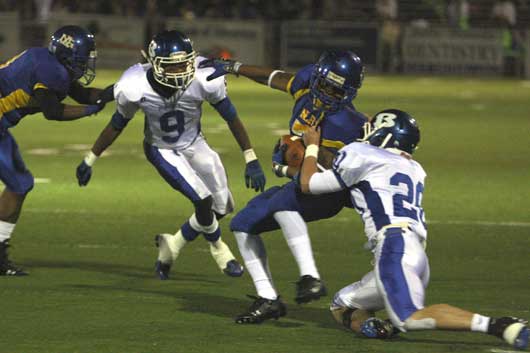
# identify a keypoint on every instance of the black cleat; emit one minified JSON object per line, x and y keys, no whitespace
{"x":262,"y":309}
{"x":309,"y":288}
{"x":7,"y":268}
{"x":511,"y":329}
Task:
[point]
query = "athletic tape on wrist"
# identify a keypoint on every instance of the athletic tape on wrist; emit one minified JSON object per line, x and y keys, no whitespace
{"x":90,"y":158}
{"x":271,"y":76}
{"x":311,"y":151}
{"x":249,"y":155}
{"x":236,"y":67}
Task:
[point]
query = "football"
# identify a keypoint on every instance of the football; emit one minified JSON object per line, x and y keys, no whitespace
{"x":294,"y":150}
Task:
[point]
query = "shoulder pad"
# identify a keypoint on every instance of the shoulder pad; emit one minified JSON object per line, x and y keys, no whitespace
{"x":131,"y":83}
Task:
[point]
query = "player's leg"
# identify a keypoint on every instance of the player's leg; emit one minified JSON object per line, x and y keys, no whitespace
{"x":267,"y":305}
{"x":357,"y":302}
{"x":401,"y":266}
{"x":18,"y":181}
{"x":176,"y":170}
{"x":294,"y":229}
{"x":208,"y":166}
{"x":246,"y":225}
{"x":292,"y":210}
{"x":402,"y":274}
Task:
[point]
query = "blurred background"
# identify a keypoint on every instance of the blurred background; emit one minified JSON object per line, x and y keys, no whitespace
{"x":456,"y":37}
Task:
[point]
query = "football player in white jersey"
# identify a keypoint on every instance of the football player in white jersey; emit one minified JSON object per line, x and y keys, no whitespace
{"x":386,"y":187}
{"x":170,"y":90}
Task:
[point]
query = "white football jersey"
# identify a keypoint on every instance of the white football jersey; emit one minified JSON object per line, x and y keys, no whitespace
{"x":386,"y":188}
{"x":174,"y":122}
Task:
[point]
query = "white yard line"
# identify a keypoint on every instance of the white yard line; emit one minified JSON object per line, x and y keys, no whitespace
{"x":482,"y":223}
{"x":42,"y":180}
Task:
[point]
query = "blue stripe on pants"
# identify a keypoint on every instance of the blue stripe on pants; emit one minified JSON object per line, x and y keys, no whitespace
{"x":170,"y":174}
{"x":392,"y":275}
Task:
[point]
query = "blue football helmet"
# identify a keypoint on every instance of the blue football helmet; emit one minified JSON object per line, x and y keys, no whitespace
{"x":336,"y":78}
{"x":393,"y":128}
{"x":75,"y":48}
{"x":173,"y":59}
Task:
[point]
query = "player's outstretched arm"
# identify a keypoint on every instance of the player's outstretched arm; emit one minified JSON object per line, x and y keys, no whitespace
{"x":53,"y":109}
{"x":89,"y":95}
{"x":276,"y":79}
{"x":109,"y":134}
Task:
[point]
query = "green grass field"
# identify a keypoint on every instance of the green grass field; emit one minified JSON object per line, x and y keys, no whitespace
{"x":90,"y":251}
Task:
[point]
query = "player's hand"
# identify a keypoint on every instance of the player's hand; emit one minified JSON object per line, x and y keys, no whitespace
{"x":278,"y":153}
{"x":312,"y":136}
{"x":279,"y":170}
{"x":254,"y":176}
{"x":221,"y":66}
{"x":93,"y":109}
{"x":106,"y":95}
{"x":83,"y":173}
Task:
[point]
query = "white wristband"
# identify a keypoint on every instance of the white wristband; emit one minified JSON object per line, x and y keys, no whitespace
{"x":311,"y":151}
{"x":236,"y":67}
{"x":90,"y":158}
{"x":249,"y":155}
{"x":271,"y":76}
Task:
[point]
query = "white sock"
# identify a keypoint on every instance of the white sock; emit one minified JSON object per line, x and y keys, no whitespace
{"x":295,"y":233}
{"x":176,"y":242}
{"x":480,"y":323}
{"x":221,"y":253}
{"x":253,"y":252}
{"x":6,"y":229}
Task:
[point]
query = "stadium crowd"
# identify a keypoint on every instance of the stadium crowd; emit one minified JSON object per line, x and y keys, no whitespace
{"x":459,"y":12}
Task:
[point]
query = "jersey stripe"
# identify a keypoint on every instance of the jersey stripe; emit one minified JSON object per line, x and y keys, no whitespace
{"x":300,"y":93}
{"x":7,"y":63}
{"x":39,"y":85}
{"x":333,"y":144}
{"x":14,"y":100}
{"x":374,"y":204}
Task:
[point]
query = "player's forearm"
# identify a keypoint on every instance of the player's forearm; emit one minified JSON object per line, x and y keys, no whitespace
{"x":84,"y":95}
{"x":279,"y":80}
{"x":309,"y":167}
{"x":240,"y":134}
{"x":105,"y":139}
{"x":72,"y":112}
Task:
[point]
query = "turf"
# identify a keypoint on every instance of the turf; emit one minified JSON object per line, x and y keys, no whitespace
{"x":90,"y":250}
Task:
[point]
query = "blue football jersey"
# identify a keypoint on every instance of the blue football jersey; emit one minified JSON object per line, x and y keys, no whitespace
{"x":337,"y":128}
{"x":19,"y":77}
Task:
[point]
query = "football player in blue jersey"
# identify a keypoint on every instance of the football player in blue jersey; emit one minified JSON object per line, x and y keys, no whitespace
{"x":386,"y":186}
{"x":37,"y":80}
{"x":323,"y":94}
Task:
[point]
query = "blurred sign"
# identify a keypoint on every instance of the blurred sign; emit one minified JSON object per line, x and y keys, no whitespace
{"x":302,"y":42}
{"x":244,"y":40}
{"x":118,"y":39}
{"x":9,"y":35}
{"x":444,"y":50}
